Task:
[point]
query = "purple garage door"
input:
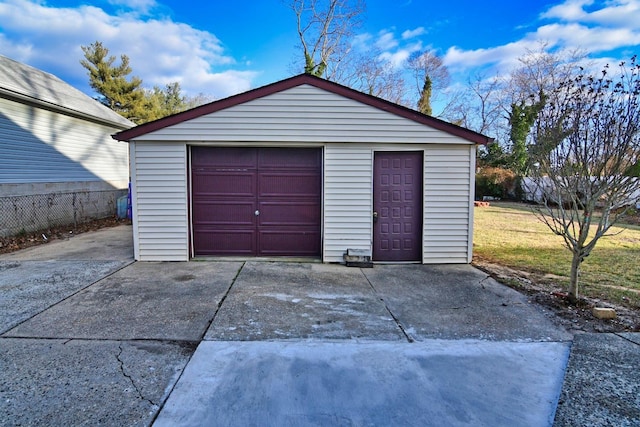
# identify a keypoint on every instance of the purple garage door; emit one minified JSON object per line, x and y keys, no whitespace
{"x":256,"y":201}
{"x":397,"y":205}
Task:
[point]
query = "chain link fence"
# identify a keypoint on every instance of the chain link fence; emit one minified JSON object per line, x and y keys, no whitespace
{"x":34,"y":212}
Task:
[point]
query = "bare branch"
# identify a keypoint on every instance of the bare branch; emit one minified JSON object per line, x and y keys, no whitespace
{"x":324,"y":28}
{"x":585,"y":142}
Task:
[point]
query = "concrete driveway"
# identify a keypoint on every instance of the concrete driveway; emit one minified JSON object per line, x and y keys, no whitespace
{"x":90,"y":337}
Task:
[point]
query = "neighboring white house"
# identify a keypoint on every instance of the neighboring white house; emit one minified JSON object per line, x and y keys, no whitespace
{"x":303,"y":168}
{"x":58,"y":162}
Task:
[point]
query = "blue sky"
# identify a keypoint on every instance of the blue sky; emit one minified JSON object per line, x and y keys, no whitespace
{"x":222,"y":47}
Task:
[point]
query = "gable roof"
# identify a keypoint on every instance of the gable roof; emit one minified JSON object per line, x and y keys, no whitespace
{"x":25,"y":83}
{"x":292,"y":82}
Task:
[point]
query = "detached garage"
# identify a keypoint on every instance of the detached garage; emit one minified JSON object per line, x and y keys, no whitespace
{"x":302,"y":168}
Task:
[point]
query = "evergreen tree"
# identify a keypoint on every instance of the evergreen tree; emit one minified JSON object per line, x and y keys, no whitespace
{"x":164,"y":102}
{"x":173,"y":101}
{"x":115,"y":90}
{"x":424,"y":103}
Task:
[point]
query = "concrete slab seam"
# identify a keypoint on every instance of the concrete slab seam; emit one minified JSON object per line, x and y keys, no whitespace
{"x":558,"y":394}
{"x":173,"y":386}
{"x":67,"y":340}
{"x":128,"y":263}
{"x":222,"y":300}
{"x":386,"y":306}
{"x":626,"y":339}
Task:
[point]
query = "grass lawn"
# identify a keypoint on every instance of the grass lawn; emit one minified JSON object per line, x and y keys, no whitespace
{"x":509,"y":234}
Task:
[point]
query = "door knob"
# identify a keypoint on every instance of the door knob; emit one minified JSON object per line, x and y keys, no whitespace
{"x":256,"y":213}
{"x":375,"y":216}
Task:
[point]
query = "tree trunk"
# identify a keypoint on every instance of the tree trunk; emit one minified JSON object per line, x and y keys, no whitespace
{"x":575,"y":273}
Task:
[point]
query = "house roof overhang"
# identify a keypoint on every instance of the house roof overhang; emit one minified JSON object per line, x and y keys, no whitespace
{"x":30,"y":86}
{"x":303,"y":79}
{"x":110,"y":121}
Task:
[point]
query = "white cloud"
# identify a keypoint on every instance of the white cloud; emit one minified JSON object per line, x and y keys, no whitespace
{"x":594,"y":40}
{"x":387,"y":46}
{"x":625,"y":12}
{"x":409,"y":34}
{"x":396,"y":59}
{"x":386,"y":40}
{"x":595,"y":28}
{"x":161,"y":51}
{"x":362,"y":41}
{"x":570,"y":10}
{"x":612,"y":13}
{"x":501,"y":58}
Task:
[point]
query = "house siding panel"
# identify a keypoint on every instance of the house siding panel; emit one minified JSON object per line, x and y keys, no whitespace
{"x":162,"y":225}
{"x":347,"y":200}
{"x":160,"y":201}
{"x":302,"y":113}
{"x":41,"y":146}
{"x":448,"y":196}
{"x":307,"y":116}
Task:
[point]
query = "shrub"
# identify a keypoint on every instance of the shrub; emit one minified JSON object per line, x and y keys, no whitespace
{"x":495,"y":182}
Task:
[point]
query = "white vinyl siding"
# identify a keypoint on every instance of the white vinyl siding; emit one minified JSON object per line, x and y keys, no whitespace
{"x":347,"y":200}
{"x":448,"y":201}
{"x":42,"y":146}
{"x":160,"y":200}
{"x":303,"y":113}
{"x":349,"y":131}
{"x":159,"y":177}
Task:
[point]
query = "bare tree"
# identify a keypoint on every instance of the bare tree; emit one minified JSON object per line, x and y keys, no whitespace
{"x":324,"y":29}
{"x":428,"y":63}
{"x":587,"y":149}
{"x":480,"y":108}
{"x":540,"y":71}
{"x":431,"y":77}
{"x":371,"y":74}
{"x":198,"y":100}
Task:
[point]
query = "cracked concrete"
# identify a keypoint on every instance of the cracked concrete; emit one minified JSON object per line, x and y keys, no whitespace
{"x":29,"y":287}
{"x":222,"y":300}
{"x":63,"y":382}
{"x":115,"y":352}
{"x":67,"y":381}
{"x":144,"y":301}
{"x":130,"y":378}
{"x":486,"y":278}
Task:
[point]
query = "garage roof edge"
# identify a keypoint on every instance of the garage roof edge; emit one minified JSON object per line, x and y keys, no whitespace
{"x":292,"y":82}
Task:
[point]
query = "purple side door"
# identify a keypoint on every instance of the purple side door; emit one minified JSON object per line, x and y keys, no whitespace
{"x":397,"y":205}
